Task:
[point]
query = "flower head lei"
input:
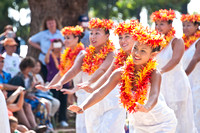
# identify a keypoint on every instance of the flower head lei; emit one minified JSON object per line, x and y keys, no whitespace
{"x":190,"y":18}
{"x":135,"y":85}
{"x":68,"y":30}
{"x":106,"y":24}
{"x":163,"y":15}
{"x":126,"y":27}
{"x":149,"y":37}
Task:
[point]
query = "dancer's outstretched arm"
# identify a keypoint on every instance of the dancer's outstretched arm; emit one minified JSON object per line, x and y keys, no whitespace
{"x":91,"y":85}
{"x":57,"y":77}
{"x":99,"y":94}
{"x":70,"y":74}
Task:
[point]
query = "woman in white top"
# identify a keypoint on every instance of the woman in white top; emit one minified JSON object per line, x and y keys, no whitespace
{"x":73,"y":50}
{"x":191,"y":59}
{"x":175,"y":84}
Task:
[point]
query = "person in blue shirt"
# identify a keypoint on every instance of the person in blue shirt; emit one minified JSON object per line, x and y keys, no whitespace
{"x":42,"y":40}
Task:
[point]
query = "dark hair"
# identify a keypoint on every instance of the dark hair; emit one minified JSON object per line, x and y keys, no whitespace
{"x":79,"y":37}
{"x":57,"y":40}
{"x":107,"y":31}
{"x":27,"y":62}
{"x":156,"y":49}
{"x":170,"y":22}
{"x":44,"y":26}
{"x":197,"y":23}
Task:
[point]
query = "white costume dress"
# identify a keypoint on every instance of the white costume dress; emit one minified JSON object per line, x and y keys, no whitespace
{"x":106,"y":116}
{"x":80,"y":118}
{"x":4,"y":122}
{"x":194,"y":78}
{"x":160,"y":119}
{"x":176,"y":90}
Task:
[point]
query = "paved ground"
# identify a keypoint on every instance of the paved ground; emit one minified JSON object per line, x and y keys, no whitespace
{"x":71,"y":122}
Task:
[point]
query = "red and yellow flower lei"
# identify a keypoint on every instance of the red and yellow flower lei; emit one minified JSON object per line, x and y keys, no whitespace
{"x":141,"y":79}
{"x":169,"y":37}
{"x":120,"y":59}
{"x":190,"y":18}
{"x":68,"y":57}
{"x":93,"y":60}
{"x":163,"y":15}
{"x":189,"y":41}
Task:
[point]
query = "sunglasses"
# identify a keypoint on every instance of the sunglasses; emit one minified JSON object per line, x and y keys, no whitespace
{"x":2,"y":61}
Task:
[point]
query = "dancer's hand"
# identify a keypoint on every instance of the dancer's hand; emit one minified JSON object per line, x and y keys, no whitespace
{"x":69,"y":91}
{"x":57,"y":86}
{"x":141,"y":108}
{"x":41,"y":87}
{"x":76,"y":109}
{"x":85,"y":86}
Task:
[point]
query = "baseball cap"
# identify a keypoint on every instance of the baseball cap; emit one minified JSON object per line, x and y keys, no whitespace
{"x":10,"y":42}
{"x":83,"y":18}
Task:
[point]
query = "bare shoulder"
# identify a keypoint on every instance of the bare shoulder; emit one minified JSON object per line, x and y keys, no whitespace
{"x":178,"y":41}
{"x":117,"y":73}
{"x":198,"y":44}
{"x":111,"y":54}
{"x":156,"y":75}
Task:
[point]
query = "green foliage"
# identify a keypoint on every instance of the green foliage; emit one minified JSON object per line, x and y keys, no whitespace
{"x":126,"y":9}
{"x":22,"y":31}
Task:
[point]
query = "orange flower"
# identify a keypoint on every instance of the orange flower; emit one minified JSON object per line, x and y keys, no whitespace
{"x":68,"y":30}
{"x":68,"y":57}
{"x":126,"y":27}
{"x":169,"y":37}
{"x":149,"y":37}
{"x":163,"y":15}
{"x":101,"y":23}
{"x":139,"y":81}
{"x":120,"y":58}
{"x":93,"y":60}
{"x":188,"y":41}
{"x":191,"y":18}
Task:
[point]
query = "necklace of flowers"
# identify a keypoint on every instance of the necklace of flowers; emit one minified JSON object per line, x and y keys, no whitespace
{"x":129,"y":97}
{"x":191,"y":39}
{"x":93,"y":60}
{"x":68,"y":57}
{"x":120,"y":58}
{"x":169,"y":37}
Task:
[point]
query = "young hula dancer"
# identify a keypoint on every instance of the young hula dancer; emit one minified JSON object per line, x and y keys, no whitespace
{"x":191,"y":59}
{"x":93,"y":64}
{"x":73,"y":50}
{"x":175,"y":84}
{"x":140,"y":87}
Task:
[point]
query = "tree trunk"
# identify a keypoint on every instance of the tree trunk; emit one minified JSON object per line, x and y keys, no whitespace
{"x":66,"y":11}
